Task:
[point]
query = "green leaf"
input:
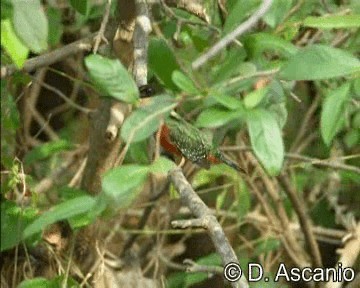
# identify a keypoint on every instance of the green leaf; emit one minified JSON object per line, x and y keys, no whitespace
{"x":82,"y":6}
{"x":162,"y":62}
{"x":317,"y":62}
{"x":226,"y":100}
{"x":267,"y":245}
{"x":184,"y":82}
{"x":241,"y":10}
{"x":144,"y":121}
{"x":55,"y":26}
{"x":162,"y":165}
{"x":333,"y":21}
{"x":210,"y":260}
{"x":112,"y":78}
{"x":31,"y":24}
{"x":277,"y":12}
{"x":258,"y":43}
{"x":333,"y":112}
{"x":255,"y":97}
{"x":65,"y":210}
{"x":231,"y":65}
{"x":216,"y":117}
{"x":13,"y":221}
{"x":266,"y":140}
{"x":46,"y":150}
{"x":122,"y":184}
{"x":36,"y":283}
{"x":244,"y":200}
{"x":12,"y":44}
{"x":6,"y":9}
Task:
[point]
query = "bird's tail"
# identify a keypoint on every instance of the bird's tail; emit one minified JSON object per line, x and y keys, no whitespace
{"x":230,"y":163}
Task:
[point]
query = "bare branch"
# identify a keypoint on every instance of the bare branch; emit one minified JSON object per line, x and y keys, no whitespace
{"x":243,"y":27}
{"x":207,"y":219}
{"x":51,"y":57}
{"x":141,"y":32}
{"x":304,"y":219}
{"x":191,"y":6}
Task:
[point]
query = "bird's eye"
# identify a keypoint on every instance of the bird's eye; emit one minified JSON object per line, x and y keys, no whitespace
{"x":146,"y":91}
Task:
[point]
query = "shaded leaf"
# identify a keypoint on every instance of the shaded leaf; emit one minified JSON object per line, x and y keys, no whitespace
{"x":55,"y":26}
{"x":144,"y":121}
{"x":31,"y":24}
{"x":162,"y":61}
{"x":333,"y":112}
{"x":13,"y":221}
{"x":122,"y":184}
{"x":266,"y":140}
{"x":59,"y":212}
{"x":46,"y":150}
{"x":112,"y":78}
{"x":208,"y":260}
{"x":82,"y":6}
{"x":277,"y":12}
{"x":258,"y":43}
{"x":238,"y":13}
{"x":319,"y":62}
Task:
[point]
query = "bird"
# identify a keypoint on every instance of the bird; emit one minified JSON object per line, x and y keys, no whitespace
{"x":179,"y":137}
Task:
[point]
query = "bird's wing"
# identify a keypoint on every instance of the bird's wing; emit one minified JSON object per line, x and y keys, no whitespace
{"x":188,"y":140}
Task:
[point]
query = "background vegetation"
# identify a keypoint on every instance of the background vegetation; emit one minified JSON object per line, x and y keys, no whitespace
{"x":85,"y":198}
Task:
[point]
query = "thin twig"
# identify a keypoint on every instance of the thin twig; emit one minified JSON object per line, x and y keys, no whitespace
{"x":300,"y":209}
{"x":63,"y":96}
{"x":243,"y":27}
{"x":100,"y":36}
{"x":51,"y":57}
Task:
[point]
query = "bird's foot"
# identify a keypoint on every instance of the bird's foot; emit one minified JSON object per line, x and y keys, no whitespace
{"x":182,"y":162}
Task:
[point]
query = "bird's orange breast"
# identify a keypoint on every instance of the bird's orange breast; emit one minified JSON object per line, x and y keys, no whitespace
{"x":165,"y":141}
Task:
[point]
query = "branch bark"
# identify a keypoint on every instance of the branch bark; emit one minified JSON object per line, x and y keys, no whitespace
{"x":205,"y":219}
{"x":51,"y":57}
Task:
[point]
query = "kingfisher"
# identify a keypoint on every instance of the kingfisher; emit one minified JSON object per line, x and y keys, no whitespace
{"x":179,"y":137}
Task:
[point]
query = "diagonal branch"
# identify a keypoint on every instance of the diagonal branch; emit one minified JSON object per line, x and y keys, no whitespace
{"x":242,"y":28}
{"x":205,"y":219}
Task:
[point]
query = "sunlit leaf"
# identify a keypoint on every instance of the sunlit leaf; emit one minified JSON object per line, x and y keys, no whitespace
{"x":333,"y":21}
{"x":31,"y":24}
{"x":319,"y":62}
{"x":12,"y":44}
